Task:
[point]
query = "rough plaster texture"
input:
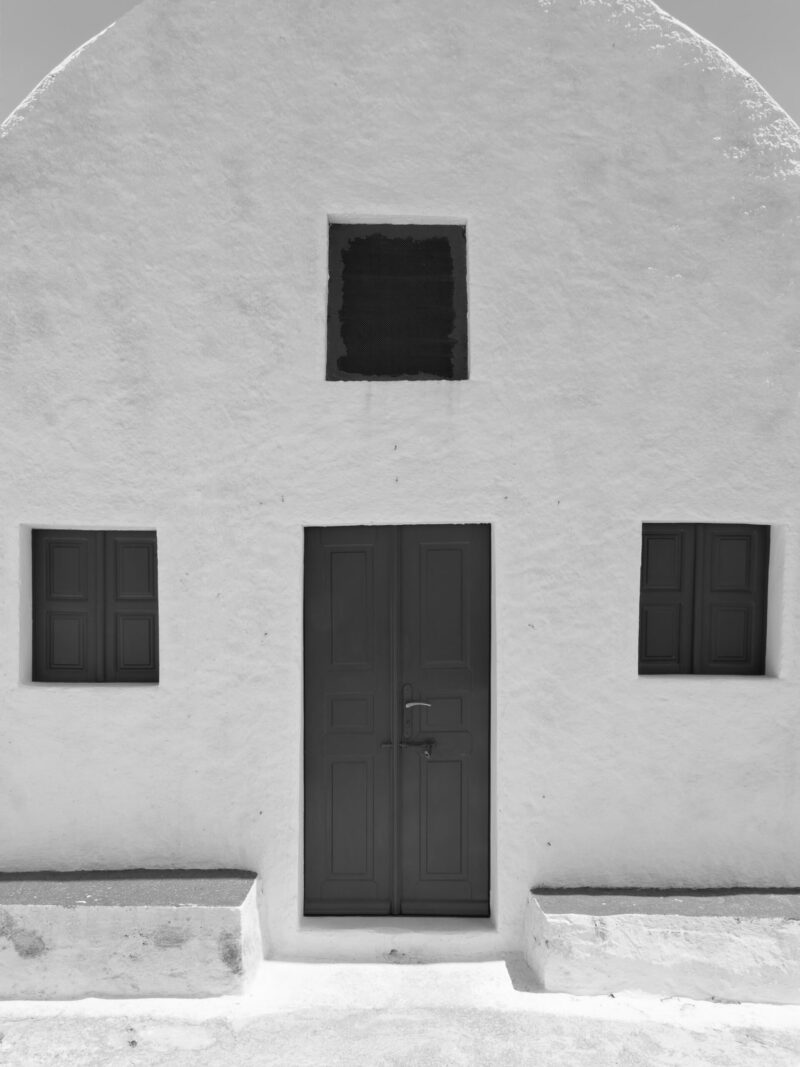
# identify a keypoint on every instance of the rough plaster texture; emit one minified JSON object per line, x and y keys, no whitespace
{"x":105,"y":944}
{"x":742,"y":949}
{"x":632,"y":202}
{"x":450,"y":1015}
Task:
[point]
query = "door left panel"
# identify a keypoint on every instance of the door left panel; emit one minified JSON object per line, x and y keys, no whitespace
{"x":348,"y":701}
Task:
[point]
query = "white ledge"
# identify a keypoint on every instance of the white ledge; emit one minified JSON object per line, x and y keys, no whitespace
{"x":733,"y":945}
{"x":127,"y":934}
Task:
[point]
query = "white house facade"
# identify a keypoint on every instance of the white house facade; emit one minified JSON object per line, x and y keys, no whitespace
{"x":383,"y":636}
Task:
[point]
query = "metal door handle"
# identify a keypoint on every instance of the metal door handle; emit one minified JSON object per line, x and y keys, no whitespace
{"x":417,"y":704}
{"x":427,"y":744}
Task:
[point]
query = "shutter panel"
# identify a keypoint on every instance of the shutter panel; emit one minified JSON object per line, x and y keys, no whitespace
{"x":666,"y":597}
{"x":731,"y":599}
{"x":65,"y":602}
{"x":130,"y":606}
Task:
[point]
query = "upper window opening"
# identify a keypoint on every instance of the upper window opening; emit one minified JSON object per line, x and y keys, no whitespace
{"x":397,"y":302}
{"x":703,"y":599}
{"x":95,"y":606}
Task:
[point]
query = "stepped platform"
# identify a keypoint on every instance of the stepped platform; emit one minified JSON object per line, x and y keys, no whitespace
{"x":725,"y":945}
{"x":138,"y":933}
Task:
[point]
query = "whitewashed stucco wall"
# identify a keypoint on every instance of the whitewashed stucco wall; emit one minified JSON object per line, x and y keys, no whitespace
{"x":632,"y":203}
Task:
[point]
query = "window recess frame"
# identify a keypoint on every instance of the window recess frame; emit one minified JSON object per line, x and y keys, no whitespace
{"x":703,"y":598}
{"x":340,"y":236}
{"x":94,"y":602}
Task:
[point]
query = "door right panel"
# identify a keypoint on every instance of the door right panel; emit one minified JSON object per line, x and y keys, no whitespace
{"x":445,"y":659}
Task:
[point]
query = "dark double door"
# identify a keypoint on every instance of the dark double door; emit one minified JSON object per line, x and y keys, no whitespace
{"x":397,"y":720}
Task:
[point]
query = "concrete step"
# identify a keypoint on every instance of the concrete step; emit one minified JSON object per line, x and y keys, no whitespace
{"x":480,"y":1014}
{"x":127,"y":933}
{"x":726,"y":944}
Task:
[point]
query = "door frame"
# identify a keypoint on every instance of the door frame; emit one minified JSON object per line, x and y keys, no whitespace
{"x":484,"y":925}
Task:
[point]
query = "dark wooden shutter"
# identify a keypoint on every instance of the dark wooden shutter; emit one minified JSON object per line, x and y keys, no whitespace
{"x":95,"y":606}
{"x":731,"y":599}
{"x":65,"y":605}
{"x":666,"y":598}
{"x":130,"y":607}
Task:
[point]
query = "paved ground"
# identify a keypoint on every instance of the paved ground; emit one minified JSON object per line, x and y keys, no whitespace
{"x":301,"y":1014}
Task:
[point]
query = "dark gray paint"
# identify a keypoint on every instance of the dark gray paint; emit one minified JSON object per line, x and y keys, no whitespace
{"x":745,"y":903}
{"x":178,"y":888}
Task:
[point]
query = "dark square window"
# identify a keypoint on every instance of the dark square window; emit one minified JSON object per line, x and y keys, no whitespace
{"x":703,"y":598}
{"x":95,"y":606}
{"x":397,"y":302}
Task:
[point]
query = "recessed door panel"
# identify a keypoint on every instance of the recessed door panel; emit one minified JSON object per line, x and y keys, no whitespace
{"x":350,"y":806}
{"x":352,"y":608}
{"x":442,"y":618}
{"x":397,"y":720}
